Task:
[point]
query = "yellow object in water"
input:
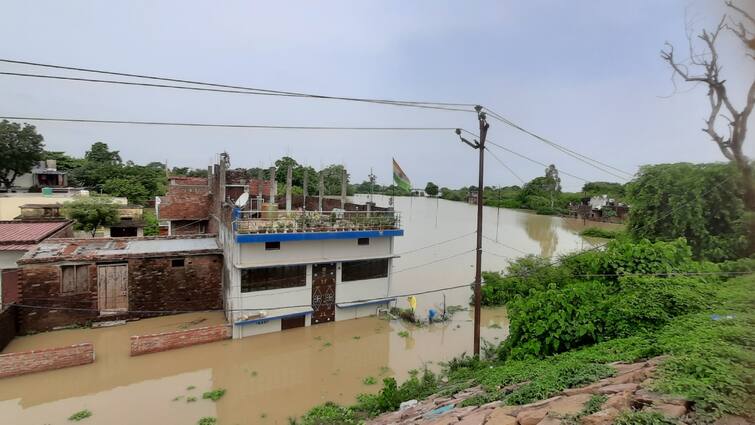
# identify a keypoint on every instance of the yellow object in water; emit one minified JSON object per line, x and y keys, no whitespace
{"x":413,"y":302}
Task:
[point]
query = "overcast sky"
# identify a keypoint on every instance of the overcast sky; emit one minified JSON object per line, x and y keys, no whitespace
{"x":586,"y":74}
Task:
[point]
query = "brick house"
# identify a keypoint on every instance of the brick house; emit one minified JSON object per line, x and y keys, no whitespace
{"x":16,"y":238}
{"x":183,"y":212}
{"x":76,"y":281}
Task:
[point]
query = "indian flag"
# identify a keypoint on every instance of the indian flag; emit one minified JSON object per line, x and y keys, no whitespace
{"x":399,"y":177}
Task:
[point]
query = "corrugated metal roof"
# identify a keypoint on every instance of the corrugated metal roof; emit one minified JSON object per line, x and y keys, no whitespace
{"x":24,"y":232}
{"x":16,"y":247}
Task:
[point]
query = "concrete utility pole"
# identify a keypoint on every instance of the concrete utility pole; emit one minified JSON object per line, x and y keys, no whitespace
{"x":305,"y":183}
{"x":289,"y":180}
{"x":343,"y":189}
{"x":481,"y":117}
{"x":321,"y":188}
{"x":273,"y":186}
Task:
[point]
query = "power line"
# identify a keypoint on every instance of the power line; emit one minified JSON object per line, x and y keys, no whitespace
{"x":436,"y":244}
{"x":255,"y":89}
{"x":583,"y":158}
{"x":504,"y":165}
{"x":254,"y":126}
{"x":232,"y":91}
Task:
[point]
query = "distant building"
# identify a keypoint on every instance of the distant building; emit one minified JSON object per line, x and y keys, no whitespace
{"x":472,"y":196}
{"x":11,"y":203}
{"x":43,"y":174}
{"x":599,"y":208}
{"x":419,"y":192}
{"x":107,"y":279}
{"x":130,"y":218}
{"x":18,"y":237}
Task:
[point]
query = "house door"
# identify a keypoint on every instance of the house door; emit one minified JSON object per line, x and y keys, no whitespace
{"x":323,"y":293}
{"x":112,"y":287}
{"x":9,"y":282}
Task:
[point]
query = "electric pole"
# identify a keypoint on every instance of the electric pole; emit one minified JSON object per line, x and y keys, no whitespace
{"x":479,"y":145}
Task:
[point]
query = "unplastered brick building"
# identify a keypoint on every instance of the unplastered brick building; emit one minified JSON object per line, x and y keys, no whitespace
{"x":77,"y":281}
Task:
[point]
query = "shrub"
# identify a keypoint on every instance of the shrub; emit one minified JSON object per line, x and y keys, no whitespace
{"x":214,"y":395}
{"x":598,"y":232}
{"x":329,"y":414}
{"x":80,"y":415}
{"x":524,"y":276}
{"x":392,"y":395}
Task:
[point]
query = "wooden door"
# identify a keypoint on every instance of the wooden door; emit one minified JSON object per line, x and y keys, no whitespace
{"x":323,"y":293}
{"x":293,"y":322}
{"x":112,"y":285}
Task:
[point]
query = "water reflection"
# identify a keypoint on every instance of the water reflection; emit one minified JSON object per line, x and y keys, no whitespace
{"x":542,"y":230}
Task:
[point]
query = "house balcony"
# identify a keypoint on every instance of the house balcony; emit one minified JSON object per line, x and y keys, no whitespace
{"x":274,"y":226}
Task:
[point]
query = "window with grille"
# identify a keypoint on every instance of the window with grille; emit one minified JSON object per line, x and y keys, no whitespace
{"x":74,"y":279}
{"x":363,"y":270}
{"x":267,"y":278}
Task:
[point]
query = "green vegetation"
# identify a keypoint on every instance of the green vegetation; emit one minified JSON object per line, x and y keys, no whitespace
{"x":700,"y":202}
{"x":329,"y":414}
{"x":643,"y":418}
{"x":191,"y":399}
{"x":91,"y":212}
{"x":593,"y":405}
{"x":431,"y":189}
{"x":80,"y":415}
{"x":369,"y":380}
{"x":207,"y":420}
{"x":403,"y":334}
{"x":190,"y":387}
{"x":214,"y":395}
{"x":597,"y":232}
{"x":22,"y":147}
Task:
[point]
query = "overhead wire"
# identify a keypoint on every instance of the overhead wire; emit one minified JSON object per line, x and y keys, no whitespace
{"x":582,"y":158}
{"x":255,"y":89}
{"x":504,"y":165}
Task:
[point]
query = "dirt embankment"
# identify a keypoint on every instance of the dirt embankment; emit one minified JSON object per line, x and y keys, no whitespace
{"x":626,"y":391}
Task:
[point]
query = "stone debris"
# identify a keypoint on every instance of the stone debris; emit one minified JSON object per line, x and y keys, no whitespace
{"x":626,"y":390}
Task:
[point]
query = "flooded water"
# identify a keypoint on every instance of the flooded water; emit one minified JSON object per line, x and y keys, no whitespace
{"x":271,"y":377}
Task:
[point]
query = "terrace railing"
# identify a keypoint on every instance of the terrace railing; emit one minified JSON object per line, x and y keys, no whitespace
{"x":255,"y":222}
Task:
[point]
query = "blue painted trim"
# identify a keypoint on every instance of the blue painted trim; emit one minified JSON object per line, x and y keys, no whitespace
{"x":264,"y":320}
{"x":316,"y":236}
{"x":349,"y":305}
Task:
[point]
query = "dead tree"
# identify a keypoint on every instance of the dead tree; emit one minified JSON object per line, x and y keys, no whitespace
{"x":704,"y":67}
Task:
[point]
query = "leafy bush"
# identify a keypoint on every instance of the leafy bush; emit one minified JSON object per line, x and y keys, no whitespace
{"x":556,"y":320}
{"x":80,"y":415}
{"x":214,"y":395}
{"x":525,"y":275}
{"x":598,"y":232}
{"x":329,"y":414}
{"x":642,"y":418}
{"x":392,"y":395}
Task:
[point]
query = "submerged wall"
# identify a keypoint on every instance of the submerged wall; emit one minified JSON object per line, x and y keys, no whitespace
{"x":23,"y":362}
{"x":153,"y":343}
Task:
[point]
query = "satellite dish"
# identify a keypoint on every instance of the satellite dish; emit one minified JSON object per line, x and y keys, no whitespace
{"x":243,"y":199}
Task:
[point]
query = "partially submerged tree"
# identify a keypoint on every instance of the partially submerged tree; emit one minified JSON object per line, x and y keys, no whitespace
{"x":90,"y":213}
{"x":20,"y":148}
{"x":704,"y":67}
{"x":431,"y":189}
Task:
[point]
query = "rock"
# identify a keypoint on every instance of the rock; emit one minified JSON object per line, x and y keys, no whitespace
{"x":732,"y":420}
{"x":603,"y":417}
{"x":407,"y":404}
{"x":670,"y":410}
{"x":550,"y":420}
{"x":531,"y":416}
{"x":617,"y":388}
{"x":619,"y":401}
{"x":513,"y":387}
{"x":622,"y":368}
{"x":535,"y":404}
{"x":463,"y":411}
{"x":409,"y":412}
{"x":502,"y":416}
{"x":635,"y":376}
{"x":443,"y":420}
{"x":655,"y":361}
{"x":475,"y":418}
{"x":646,"y":397}
{"x":588,"y":389}
{"x":568,"y":405}
{"x":492,"y":404}
{"x":442,"y":400}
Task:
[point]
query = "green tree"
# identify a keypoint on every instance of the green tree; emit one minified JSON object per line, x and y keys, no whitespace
{"x":90,"y":213}
{"x":332,"y":178}
{"x":613,"y":190}
{"x":151,"y":225}
{"x":63,"y":161}
{"x":431,"y":189}
{"x":699,"y":202}
{"x":21,"y":148}
{"x":100,"y":153}
{"x":128,"y":187}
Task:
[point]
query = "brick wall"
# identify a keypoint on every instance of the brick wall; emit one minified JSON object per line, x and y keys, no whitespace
{"x":188,"y":227}
{"x":155,"y":285}
{"x":7,"y":325}
{"x":40,"y":286}
{"x":13,"y":364}
{"x":145,"y":344}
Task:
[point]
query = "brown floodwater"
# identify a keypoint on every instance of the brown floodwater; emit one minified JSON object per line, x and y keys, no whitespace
{"x":271,"y":377}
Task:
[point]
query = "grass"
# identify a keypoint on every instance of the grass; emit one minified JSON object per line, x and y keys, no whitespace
{"x":207,"y":420}
{"x":598,"y":232}
{"x":643,"y":418}
{"x":214,"y":395}
{"x":594,"y":404}
{"x":191,"y":399}
{"x":80,"y":415}
{"x":369,"y":380}
{"x":403,"y":334}
{"x":357,"y":337}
